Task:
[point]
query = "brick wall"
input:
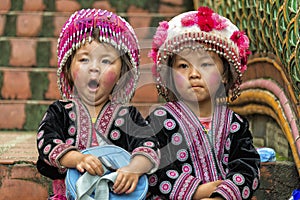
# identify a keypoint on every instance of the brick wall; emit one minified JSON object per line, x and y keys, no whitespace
{"x":28,"y":37}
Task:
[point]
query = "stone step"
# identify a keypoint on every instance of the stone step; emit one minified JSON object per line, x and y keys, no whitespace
{"x":26,"y":114}
{"x":19,"y":178}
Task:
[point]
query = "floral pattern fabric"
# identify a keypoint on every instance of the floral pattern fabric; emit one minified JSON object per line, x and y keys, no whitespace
{"x":68,"y":126}
{"x":189,"y":159}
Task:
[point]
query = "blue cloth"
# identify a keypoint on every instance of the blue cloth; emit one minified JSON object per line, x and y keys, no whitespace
{"x":296,"y":195}
{"x":266,"y":154}
{"x":78,"y":188}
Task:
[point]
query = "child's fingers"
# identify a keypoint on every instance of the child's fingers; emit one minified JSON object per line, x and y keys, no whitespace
{"x":80,"y":168}
{"x":90,"y":169}
{"x":99,"y":170}
{"x":124,"y":188}
{"x":118,"y":181}
{"x":132,"y":187}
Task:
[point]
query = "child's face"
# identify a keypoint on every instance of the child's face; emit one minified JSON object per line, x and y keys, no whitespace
{"x":197,"y":74}
{"x":95,"y":69}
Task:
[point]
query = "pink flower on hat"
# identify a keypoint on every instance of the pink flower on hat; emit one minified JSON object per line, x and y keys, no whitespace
{"x":205,"y":20}
{"x":242,"y":41}
{"x":159,"y":38}
{"x":189,"y":20}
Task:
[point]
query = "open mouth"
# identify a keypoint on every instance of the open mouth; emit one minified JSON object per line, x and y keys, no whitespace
{"x":93,"y":84}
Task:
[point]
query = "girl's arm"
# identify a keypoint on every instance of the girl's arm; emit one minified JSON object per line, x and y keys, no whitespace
{"x":51,"y":140}
{"x":135,"y":135}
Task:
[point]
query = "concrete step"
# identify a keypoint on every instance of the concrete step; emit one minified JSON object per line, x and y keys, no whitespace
{"x":19,"y":178}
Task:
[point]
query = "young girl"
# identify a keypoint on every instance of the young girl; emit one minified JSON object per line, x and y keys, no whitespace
{"x":98,"y":58}
{"x":206,"y":148}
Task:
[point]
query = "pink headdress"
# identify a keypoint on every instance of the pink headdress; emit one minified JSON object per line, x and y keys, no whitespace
{"x":200,"y":29}
{"x":113,"y":30}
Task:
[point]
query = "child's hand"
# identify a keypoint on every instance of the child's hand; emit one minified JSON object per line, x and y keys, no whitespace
{"x":126,"y":180}
{"x":91,"y":164}
{"x":82,"y":162}
{"x":205,"y":190}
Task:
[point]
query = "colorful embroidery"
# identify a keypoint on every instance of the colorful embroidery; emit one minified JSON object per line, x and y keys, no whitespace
{"x":57,"y":141}
{"x":153,"y":180}
{"x":72,"y":130}
{"x":246,"y":192}
{"x":176,"y":139}
{"x":47,"y":149}
{"x":123,"y":112}
{"x":234,"y":127}
{"x":182,"y":155}
{"x":169,"y":124}
{"x":227,"y":144}
{"x":238,"y":179}
{"x":40,"y":134}
{"x":115,"y":135}
{"x":255,"y":184}
{"x":69,"y":105}
{"x":149,"y":144}
{"x":41,"y":142}
{"x":237,"y":116}
{"x":72,"y":115}
{"x":160,"y":113}
{"x":196,"y":139}
{"x":70,"y":141}
{"x":165,"y":187}
{"x":187,"y":168}
{"x":225,"y":159}
{"x":119,"y":122}
{"x":172,"y":174}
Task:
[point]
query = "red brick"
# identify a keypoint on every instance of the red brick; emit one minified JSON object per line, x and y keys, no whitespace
{"x":33,"y":5}
{"x":59,"y":21}
{"x":16,"y":85}
{"x":104,"y":5}
{"x":5,"y":5}
{"x":24,"y":171}
{"x":28,"y":24}
{"x":12,"y":116}
{"x":52,"y":92}
{"x":53,"y":59}
{"x":139,"y":20}
{"x":23,"y":52}
{"x":12,"y":189}
{"x":2,"y":23}
{"x":67,"y":5}
{"x":3,"y":171}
